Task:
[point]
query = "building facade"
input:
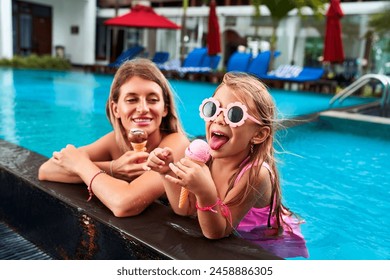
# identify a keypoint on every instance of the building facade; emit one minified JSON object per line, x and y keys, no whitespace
{"x":77,"y":27}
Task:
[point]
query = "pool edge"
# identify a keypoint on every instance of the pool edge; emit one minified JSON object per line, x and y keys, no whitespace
{"x":57,"y":218}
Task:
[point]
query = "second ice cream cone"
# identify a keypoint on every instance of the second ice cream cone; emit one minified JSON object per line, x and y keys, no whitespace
{"x":183,"y":196}
{"x":199,"y":152}
{"x":184,"y":192}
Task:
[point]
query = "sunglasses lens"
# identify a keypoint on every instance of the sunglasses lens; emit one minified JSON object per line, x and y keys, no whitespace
{"x":209,"y":109}
{"x":235,"y":114}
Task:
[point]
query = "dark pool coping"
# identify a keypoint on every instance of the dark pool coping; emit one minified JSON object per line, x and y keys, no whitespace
{"x":57,"y":218}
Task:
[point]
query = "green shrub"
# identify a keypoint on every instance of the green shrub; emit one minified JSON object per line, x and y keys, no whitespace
{"x":5,"y":62}
{"x":36,"y":62}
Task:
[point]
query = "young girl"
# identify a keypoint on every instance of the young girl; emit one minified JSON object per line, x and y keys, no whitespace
{"x":140,"y":98}
{"x":239,"y":189}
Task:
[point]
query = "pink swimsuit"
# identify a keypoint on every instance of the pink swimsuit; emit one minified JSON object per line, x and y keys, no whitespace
{"x":258,"y":226}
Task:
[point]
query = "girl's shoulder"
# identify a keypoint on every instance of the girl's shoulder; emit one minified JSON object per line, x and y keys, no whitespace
{"x":265,"y":170}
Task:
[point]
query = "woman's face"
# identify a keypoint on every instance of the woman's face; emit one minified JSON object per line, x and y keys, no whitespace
{"x":140,"y":105}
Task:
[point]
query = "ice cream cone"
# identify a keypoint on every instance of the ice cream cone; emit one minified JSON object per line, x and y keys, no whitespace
{"x":138,"y":139}
{"x":199,"y":152}
{"x":184,"y":192}
{"x":183,"y":196}
{"x":139,"y":147}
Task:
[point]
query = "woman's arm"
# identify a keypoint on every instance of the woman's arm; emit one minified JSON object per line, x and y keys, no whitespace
{"x":100,"y":150}
{"x":122,"y":198}
{"x":131,"y":199}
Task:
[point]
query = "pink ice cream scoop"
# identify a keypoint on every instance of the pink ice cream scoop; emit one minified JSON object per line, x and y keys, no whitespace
{"x":199,"y":152}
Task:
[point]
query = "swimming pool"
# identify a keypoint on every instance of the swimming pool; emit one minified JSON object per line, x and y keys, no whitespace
{"x":80,"y":98}
{"x":337,"y":181}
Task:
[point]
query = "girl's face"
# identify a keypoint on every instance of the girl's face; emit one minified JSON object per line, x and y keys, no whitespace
{"x":140,"y":105}
{"x":227,"y":141}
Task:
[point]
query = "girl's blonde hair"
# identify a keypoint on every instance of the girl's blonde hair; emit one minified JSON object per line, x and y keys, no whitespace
{"x":254,"y":94}
{"x":145,"y":69}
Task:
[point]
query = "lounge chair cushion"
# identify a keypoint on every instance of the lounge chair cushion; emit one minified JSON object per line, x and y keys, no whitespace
{"x":286,"y":71}
{"x":259,"y":65}
{"x":239,"y":62}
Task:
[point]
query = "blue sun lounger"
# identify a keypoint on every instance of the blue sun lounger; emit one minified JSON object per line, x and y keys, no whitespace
{"x":193,"y":59}
{"x":294,"y":74}
{"x":239,"y":62}
{"x":127,"y":55}
{"x":259,"y":65}
{"x":208,"y":64}
{"x":191,"y":64}
{"x":160,"y":57}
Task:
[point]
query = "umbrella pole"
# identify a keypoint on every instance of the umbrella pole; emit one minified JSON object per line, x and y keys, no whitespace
{"x":108,"y":45}
{"x":115,"y":34}
{"x":183,"y":31}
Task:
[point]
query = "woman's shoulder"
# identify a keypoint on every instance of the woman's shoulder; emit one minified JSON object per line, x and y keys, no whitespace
{"x":103,"y":148}
{"x":175,"y":138}
{"x":106,"y":140}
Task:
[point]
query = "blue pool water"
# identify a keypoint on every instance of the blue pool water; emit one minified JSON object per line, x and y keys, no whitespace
{"x":80,"y":97}
{"x":337,"y":180}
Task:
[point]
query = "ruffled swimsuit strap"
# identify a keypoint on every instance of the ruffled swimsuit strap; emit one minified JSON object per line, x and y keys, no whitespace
{"x":266,"y":165}
{"x":248,"y":166}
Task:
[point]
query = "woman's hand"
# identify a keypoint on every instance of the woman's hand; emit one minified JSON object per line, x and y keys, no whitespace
{"x":129,"y":166}
{"x":159,"y":160}
{"x":70,"y":158}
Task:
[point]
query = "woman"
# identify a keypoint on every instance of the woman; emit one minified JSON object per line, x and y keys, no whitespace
{"x":140,"y":98}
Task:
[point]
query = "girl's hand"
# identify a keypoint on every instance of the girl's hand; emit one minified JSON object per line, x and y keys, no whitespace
{"x":193,"y":176}
{"x":159,"y":160}
{"x":129,"y":166}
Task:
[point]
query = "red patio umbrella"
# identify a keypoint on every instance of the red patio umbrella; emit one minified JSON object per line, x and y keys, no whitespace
{"x":142,"y":17}
{"x":213,"y":35}
{"x":333,"y":48}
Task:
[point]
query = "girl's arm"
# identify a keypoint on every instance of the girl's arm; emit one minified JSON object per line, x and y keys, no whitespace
{"x":159,"y":160}
{"x":203,"y":195}
{"x":216,"y":219}
{"x":258,"y":195}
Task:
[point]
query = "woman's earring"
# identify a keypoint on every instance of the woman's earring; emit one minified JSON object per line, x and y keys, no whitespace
{"x":252,"y":148}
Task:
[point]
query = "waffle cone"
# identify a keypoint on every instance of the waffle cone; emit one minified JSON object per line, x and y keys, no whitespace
{"x":139,"y":147}
{"x":183,"y":196}
{"x":184,"y":192}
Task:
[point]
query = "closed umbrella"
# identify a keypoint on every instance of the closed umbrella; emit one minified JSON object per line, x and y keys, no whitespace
{"x":213,"y":35}
{"x":142,"y":17}
{"x":333,"y":48}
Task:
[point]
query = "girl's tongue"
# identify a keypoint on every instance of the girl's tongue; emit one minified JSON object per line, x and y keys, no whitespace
{"x":217,"y":141}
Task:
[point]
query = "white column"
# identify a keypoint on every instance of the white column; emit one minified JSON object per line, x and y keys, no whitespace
{"x":90,"y":31}
{"x":7,"y":106}
{"x":300,"y":42}
{"x":363,"y":28}
{"x":6,"y":50}
{"x":286,"y":33}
